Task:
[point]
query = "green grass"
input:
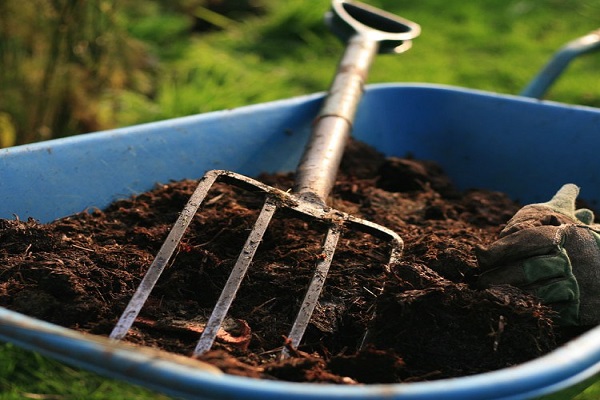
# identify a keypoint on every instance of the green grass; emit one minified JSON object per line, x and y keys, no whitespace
{"x":591,"y":393}
{"x":496,"y":45}
{"x":25,"y":374}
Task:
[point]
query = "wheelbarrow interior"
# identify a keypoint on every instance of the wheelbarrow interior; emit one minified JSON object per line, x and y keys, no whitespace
{"x":524,"y":147}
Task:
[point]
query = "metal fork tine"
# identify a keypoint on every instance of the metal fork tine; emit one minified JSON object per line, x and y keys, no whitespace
{"x":162,"y":258}
{"x":314,"y":288}
{"x":235,"y":278}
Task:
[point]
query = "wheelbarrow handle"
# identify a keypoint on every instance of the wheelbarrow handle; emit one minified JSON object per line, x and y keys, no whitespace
{"x":559,"y":62}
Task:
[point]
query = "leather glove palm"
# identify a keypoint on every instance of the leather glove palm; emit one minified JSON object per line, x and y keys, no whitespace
{"x":552,"y":251}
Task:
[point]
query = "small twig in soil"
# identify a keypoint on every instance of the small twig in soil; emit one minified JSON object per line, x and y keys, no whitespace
{"x":496,"y":334}
{"x":262,"y":305}
{"x":82,"y":248}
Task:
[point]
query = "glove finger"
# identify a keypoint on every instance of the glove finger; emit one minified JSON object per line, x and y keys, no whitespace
{"x":549,"y":278}
{"x":531,"y":273}
{"x":585,"y":215}
{"x":559,"y":210}
{"x":523,"y":244}
{"x":563,"y":297}
{"x":560,"y":291}
{"x":533,"y":216}
{"x":564,"y":200}
{"x":542,"y":270}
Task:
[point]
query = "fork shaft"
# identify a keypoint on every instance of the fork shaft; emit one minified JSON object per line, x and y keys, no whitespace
{"x":320,"y":162}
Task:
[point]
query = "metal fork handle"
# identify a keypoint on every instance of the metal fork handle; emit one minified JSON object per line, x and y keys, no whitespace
{"x":366,"y":31}
{"x":318,"y":167}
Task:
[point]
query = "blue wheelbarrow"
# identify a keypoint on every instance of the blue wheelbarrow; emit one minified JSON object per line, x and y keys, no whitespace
{"x":486,"y":140}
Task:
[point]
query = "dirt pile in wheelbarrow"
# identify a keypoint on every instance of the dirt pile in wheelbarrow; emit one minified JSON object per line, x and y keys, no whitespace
{"x":425,"y":321}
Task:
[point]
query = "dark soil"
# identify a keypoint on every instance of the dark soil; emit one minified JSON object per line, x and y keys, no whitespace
{"x":424,"y":319}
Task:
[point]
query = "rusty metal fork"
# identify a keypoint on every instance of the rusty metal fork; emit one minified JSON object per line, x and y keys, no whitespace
{"x":367,"y":31}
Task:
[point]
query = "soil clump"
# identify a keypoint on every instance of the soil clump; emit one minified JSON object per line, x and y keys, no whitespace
{"x":422,"y":320}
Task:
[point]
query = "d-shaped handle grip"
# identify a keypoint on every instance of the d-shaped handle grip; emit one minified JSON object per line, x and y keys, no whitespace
{"x":367,"y":31}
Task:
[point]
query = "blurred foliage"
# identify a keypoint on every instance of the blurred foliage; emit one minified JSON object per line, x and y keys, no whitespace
{"x":69,"y":66}
{"x":58,"y":58}
{"x":74,"y":66}
{"x":8,"y":134}
{"x":286,"y":50}
{"x":27,"y":375}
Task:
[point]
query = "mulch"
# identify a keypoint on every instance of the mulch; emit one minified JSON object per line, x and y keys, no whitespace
{"x":422,"y":320}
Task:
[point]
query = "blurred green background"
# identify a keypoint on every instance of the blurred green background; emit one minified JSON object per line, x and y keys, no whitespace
{"x":74,"y":66}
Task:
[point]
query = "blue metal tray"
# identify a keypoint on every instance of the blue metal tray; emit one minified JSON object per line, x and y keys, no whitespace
{"x":525,"y":147}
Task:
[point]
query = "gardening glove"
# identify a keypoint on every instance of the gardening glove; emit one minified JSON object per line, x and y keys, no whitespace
{"x":552,"y":251}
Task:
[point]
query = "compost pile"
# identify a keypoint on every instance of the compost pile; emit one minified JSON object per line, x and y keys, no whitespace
{"x":425,"y":318}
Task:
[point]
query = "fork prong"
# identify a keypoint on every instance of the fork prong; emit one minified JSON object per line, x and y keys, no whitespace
{"x":314,"y":288}
{"x":235,"y":278}
{"x":162,"y":258}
